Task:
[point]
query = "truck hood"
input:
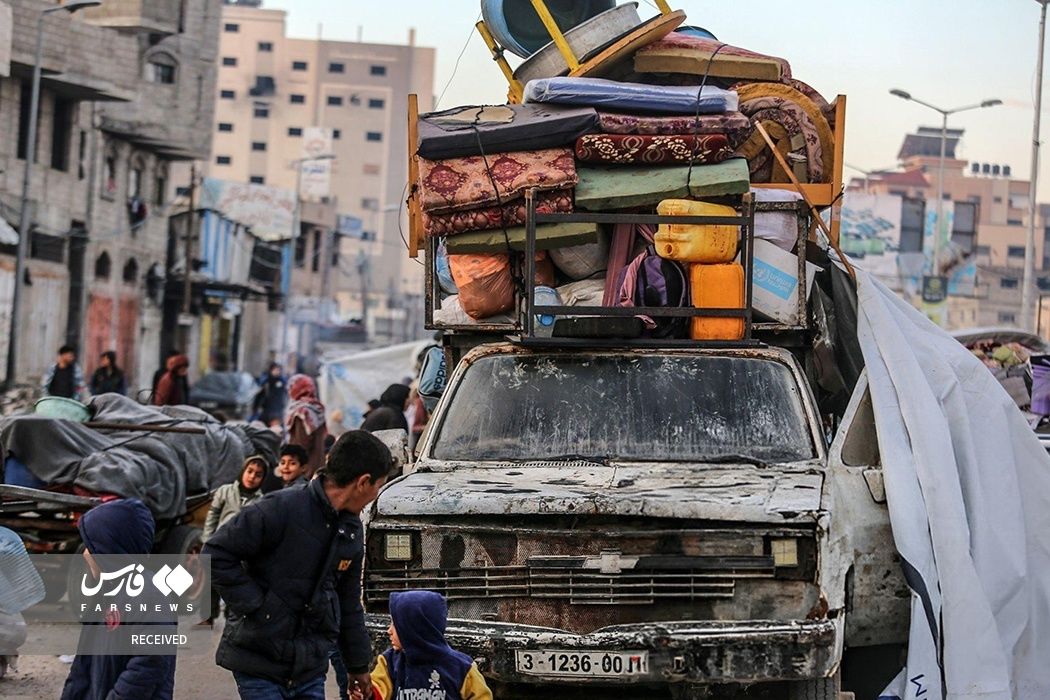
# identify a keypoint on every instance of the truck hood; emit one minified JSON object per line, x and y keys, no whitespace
{"x":742,"y":493}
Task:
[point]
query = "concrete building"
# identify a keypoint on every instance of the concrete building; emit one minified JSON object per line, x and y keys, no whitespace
{"x":982,"y":194}
{"x":127,"y":94}
{"x":272,"y":89}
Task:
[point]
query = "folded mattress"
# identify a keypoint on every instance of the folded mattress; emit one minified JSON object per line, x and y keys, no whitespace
{"x":548,"y":236}
{"x":693,"y":55}
{"x":605,"y":187}
{"x":628,"y":97}
{"x":736,"y":127}
{"x":627,"y":149}
{"x":456,"y":223}
{"x":471,"y":131}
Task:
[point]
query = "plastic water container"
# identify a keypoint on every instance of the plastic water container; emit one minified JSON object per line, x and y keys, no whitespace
{"x":20,"y":585}
{"x":717,"y":287}
{"x":696,"y":243}
{"x":59,"y":407}
{"x":545,"y":296}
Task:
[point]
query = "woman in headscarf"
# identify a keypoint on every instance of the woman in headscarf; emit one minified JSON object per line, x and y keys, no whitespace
{"x":305,"y":421}
{"x":108,"y":378}
{"x":391,"y":412}
{"x":173,"y":389}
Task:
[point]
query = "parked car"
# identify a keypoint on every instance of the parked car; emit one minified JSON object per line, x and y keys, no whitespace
{"x":229,"y":393}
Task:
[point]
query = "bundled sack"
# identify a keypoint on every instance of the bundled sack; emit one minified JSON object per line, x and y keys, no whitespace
{"x":651,"y":281}
{"x":451,"y":314}
{"x":486,"y":282}
{"x":583,"y":261}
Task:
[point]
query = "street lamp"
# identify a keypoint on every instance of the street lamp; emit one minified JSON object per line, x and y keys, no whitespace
{"x":868,"y":173}
{"x":1028,"y":282}
{"x":23,"y":222}
{"x":945,"y":113}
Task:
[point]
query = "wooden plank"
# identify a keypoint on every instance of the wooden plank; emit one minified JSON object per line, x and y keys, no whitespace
{"x":415,"y":219}
{"x":555,"y":32}
{"x":840,"y":150}
{"x":665,"y":8}
{"x":820,"y":193}
{"x":647,"y":33}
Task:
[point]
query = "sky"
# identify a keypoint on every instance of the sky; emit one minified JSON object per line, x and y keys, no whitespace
{"x":949,"y":53}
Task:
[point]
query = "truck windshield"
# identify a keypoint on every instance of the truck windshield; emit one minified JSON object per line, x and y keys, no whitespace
{"x":647,"y":408}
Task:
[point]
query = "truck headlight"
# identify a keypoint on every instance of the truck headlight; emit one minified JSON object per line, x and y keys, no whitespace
{"x":784,"y":551}
{"x":397,"y":547}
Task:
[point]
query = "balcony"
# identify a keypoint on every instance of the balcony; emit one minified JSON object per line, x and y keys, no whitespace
{"x":152,"y":16}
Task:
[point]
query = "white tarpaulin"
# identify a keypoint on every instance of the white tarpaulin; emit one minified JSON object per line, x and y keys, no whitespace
{"x":348,"y":383}
{"x":268,"y":211}
{"x":968,"y":490}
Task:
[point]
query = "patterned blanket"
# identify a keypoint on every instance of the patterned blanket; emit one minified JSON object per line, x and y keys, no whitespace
{"x":464,"y":184}
{"x":733,"y":125}
{"x":496,"y":217}
{"x":625,"y":149}
{"x":682,"y":53}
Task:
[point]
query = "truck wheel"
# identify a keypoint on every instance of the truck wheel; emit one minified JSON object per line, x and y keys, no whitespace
{"x":186,"y":541}
{"x":816,"y":689}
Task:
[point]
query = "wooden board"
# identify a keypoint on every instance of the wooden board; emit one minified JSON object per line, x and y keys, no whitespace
{"x":646,"y":33}
{"x":415,"y":220}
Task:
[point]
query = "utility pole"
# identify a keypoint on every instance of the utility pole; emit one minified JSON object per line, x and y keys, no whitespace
{"x":1028,"y":283}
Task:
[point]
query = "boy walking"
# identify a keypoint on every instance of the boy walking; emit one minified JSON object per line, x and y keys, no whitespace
{"x":289,"y":569}
{"x":419,"y":662}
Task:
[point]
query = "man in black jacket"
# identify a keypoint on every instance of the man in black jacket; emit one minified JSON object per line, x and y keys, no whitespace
{"x":289,"y":569}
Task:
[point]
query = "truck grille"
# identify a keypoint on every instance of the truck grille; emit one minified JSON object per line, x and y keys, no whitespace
{"x":697,"y":578}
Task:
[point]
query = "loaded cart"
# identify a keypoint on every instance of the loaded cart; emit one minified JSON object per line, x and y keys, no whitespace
{"x":171,"y":458}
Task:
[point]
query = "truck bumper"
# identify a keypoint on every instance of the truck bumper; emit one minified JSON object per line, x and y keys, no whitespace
{"x":679,"y":652}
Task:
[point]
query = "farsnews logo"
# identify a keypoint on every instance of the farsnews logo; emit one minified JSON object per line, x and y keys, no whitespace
{"x":131,"y":581}
{"x":433,"y":693}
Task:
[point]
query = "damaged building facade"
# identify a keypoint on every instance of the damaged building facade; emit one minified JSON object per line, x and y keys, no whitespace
{"x":127,"y":98}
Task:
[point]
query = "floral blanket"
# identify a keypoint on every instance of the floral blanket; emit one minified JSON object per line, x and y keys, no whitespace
{"x":626,"y":149}
{"x":495,"y":217}
{"x":733,"y":125}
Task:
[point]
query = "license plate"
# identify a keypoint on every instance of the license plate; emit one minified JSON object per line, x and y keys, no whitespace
{"x":582,"y":664}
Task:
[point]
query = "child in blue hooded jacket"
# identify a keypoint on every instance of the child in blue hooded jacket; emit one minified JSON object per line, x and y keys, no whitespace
{"x":419,"y":659}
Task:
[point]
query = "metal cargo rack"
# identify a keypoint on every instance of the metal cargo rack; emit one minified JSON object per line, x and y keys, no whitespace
{"x":521,"y":329}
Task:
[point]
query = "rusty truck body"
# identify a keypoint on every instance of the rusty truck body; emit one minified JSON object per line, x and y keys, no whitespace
{"x":667,"y":521}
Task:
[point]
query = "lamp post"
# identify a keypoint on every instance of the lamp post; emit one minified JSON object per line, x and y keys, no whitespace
{"x":945,"y":113}
{"x":868,"y":173}
{"x":23,"y":222}
{"x":1028,"y":281}
{"x":298,"y":165}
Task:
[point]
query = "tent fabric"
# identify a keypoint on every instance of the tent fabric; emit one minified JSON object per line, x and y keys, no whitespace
{"x":160,"y":469}
{"x":968,"y":490}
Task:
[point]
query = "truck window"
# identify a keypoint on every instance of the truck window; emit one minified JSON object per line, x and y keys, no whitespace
{"x":647,"y":408}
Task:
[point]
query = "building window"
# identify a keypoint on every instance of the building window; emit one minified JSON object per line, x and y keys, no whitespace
{"x":223,"y":160}
{"x":160,"y":186}
{"x":135,"y":173}
{"x":300,"y":65}
{"x":258,"y":146}
{"x":23,"y":122}
{"x":371,"y":169}
{"x":229,"y":61}
{"x":998,"y":200}
{"x":295,"y":131}
{"x":374,"y":136}
{"x":335,"y":101}
{"x":103,"y":266}
{"x":985,"y":250}
{"x":1008,"y":283}
{"x":1015,"y":251}
{"x":265,"y":47}
{"x":370,"y":204}
{"x":300,"y":250}
{"x":45,"y":247}
{"x":257,"y":180}
{"x":82,"y":157}
{"x":1014,"y":222}
{"x":1007,"y":317}
{"x":228,"y":94}
{"x":376,"y":104}
{"x":225,"y":127}
{"x":336,"y":68}
{"x":377,"y":70}
{"x":62,"y":133}
{"x":161,"y":69}
{"x":265,"y":86}
{"x":298,"y":99}
{"x":315,"y":260}
{"x":261,"y":112}
{"x":131,"y":272}
{"x":231,"y":28}
{"x":337,"y":134}
{"x":109,"y":180}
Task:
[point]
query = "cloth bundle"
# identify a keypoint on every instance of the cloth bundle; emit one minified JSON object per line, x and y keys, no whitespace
{"x":696,"y":56}
{"x":480,"y":193}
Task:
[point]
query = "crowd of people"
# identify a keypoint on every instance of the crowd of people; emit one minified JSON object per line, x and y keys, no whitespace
{"x":286,"y":544}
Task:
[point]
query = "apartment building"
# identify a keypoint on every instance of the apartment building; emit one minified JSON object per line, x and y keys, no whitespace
{"x":272,"y":90}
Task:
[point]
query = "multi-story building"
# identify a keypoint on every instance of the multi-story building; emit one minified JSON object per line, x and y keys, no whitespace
{"x":990,"y":220}
{"x":272,"y":90}
{"x":127,"y":94}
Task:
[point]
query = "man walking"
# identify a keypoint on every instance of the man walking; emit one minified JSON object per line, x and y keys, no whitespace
{"x":289,"y":569}
{"x":65,"y":378}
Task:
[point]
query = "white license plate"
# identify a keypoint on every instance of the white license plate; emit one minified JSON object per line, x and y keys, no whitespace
{"x":582,"y":664}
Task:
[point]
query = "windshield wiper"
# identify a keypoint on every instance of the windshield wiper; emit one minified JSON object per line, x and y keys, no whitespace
{"x":602,"y":461}
{"x":735,"y":459}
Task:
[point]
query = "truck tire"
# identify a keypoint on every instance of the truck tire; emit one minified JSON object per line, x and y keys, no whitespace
{"x":186,"y":540}
{"x":816,"y":689}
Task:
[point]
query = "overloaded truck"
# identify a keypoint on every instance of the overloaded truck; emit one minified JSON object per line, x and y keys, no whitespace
{"x":654,"y":469}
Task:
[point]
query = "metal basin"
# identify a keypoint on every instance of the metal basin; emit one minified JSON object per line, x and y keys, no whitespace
{"x":585,"y":40}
